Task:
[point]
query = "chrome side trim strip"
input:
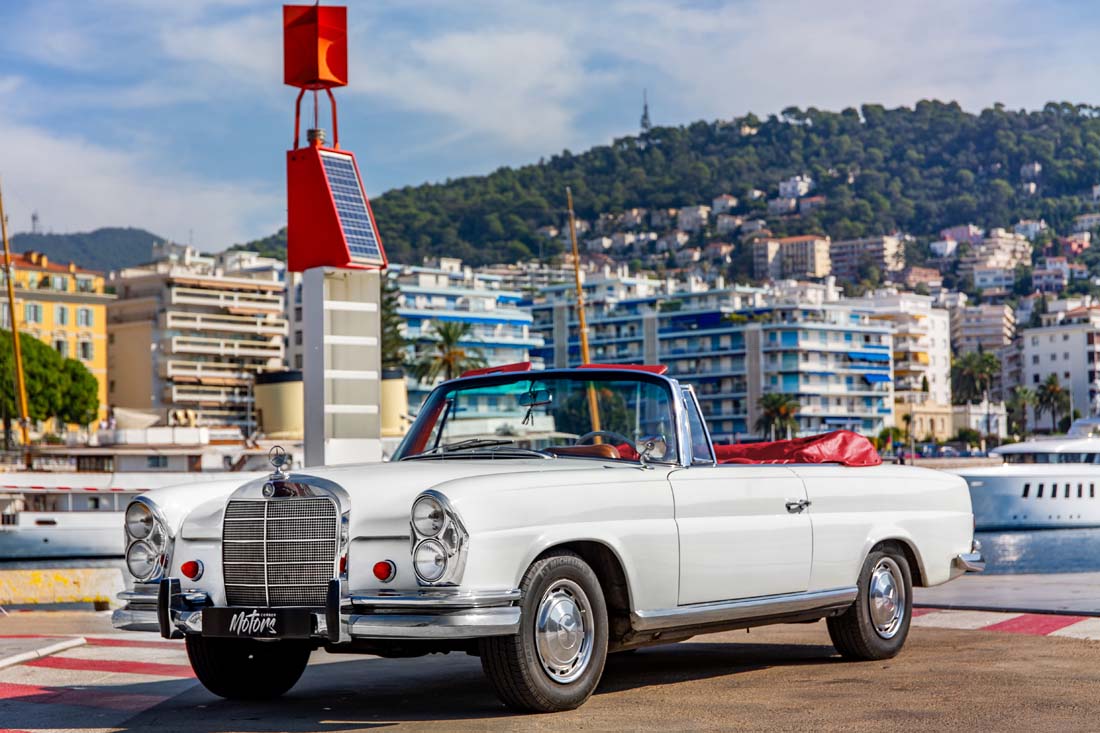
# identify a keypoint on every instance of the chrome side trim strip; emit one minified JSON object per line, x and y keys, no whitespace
{"x":722,"y":611}
{"x":464,"y":624}
{"x":435,"y":598}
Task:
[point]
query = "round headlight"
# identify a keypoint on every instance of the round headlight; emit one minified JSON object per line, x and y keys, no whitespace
{"x":139,"y":520}
{"x":141,"y":560}
{"x":427,"y":516}
{"x":430,"y":561}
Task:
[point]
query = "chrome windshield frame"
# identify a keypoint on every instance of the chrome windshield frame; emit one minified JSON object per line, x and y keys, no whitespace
{"x":673,"y":387}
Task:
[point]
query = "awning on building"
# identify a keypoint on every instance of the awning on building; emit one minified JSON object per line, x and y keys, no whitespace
{"x":868,"y":356}
{"x":877,"y":378}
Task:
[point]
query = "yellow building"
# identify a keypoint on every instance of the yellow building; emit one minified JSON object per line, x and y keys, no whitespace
{"x":65,"y":307}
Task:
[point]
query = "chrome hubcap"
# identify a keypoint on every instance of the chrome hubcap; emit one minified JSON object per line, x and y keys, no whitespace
{"x":886,"y":598}
{"x":563,"y":631}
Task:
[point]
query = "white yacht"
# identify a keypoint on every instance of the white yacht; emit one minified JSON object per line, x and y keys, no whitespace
{"x":1041,"y":484}
{"x":71,"y":503}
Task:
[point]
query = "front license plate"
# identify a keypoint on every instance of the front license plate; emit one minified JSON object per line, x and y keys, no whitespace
{"x":258,"y":623}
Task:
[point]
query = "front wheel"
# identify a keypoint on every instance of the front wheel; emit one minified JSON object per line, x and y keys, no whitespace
{"x":556,"y":660}
{"x":877,"y":624}
{"x":246,"y":669}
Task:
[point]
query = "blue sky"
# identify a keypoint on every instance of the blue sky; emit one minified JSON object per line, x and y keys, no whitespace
{"x":172,"y":115}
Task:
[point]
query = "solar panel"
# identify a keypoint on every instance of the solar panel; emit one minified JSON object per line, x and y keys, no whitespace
{"x":351,"y":207}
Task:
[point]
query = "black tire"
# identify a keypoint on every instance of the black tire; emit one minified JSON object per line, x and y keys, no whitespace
{"x":245,"y":669}
{"x":855,"y":633}
{"x":515,"y":665}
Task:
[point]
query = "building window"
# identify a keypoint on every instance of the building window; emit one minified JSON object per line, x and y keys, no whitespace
{"x":60,"y":282}
{"x":85,"y":350}
{"x":84,"y":317}
{"x":62,"y":347}
{"x":32,"y":312}
{"x":61,"y":315}
{"x":297,"y":361}
{"x":297,"y":338}
{"x":111,"y":386}
{"x":156,"y":462}
{"x":85,"y":285}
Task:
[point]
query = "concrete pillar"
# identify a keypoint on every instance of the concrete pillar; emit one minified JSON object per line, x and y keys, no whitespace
{"x":341,"y":330}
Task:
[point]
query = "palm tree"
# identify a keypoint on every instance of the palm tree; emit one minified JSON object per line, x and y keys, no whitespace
{"x":777,"y":414}
{"x":1051,"y":397}
{"x":447,"y":357}
{"x":972,"y":377}
{"x":1018,"y":403}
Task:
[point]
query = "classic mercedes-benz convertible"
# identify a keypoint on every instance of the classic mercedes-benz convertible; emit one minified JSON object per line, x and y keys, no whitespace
{"x":542,"y":520}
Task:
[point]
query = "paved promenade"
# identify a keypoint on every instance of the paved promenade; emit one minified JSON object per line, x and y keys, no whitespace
{"x":960,"y":670}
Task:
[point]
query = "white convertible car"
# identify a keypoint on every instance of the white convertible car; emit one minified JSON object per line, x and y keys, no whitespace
{"x":542,"y":520}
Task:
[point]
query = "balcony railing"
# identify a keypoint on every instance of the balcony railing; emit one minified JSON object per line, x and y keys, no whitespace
{"x":214,"y":322}
{"x":242,"y":302}
{"x":225,"y":347}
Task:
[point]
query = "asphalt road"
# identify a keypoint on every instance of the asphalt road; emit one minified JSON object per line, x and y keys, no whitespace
{"x":775,"y":679}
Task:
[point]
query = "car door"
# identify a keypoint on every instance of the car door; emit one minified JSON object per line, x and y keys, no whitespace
{"x":744,"y":529}
{"x":737,"y":537}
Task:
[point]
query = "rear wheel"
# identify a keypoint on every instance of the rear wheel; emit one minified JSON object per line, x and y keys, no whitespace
{"x":246,"y":669}
{"x":877,"y":624}
{"x":556,"y":660}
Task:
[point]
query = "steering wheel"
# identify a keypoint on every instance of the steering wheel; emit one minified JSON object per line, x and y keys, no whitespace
{"x":618,"y":438}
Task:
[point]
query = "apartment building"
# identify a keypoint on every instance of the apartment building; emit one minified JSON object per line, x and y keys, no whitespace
{"x":999,"y":249}
{"x":922,"y":343}
{"x":500,"y":330}
{"x":886,"y":253}
{"x":1069,"y":349}
{"x":64,"y":306}
{"x":988,"y":327}
{"x":791,"y":257}
{"x":190,"y":331}
{"x":692,"y":218}
{"x":734,"y":348}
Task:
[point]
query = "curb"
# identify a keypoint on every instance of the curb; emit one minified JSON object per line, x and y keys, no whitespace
{"x":1004,"y":609}
{"x":42,"y":652}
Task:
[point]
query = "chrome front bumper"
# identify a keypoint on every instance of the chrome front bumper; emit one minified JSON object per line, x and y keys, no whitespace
{"x":435,"y":613}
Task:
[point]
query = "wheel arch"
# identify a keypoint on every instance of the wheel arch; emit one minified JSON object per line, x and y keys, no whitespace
{"x":907,"y":548}
{"x":609,"y":569}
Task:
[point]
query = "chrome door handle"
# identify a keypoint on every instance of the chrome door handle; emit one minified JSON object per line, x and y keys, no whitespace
{"x":796,"y":506}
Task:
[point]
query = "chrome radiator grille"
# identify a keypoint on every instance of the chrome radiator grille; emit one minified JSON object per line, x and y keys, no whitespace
{"x":279,"y":553}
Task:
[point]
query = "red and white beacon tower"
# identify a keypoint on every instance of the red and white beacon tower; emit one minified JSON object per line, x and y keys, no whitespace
{"x":333,"y":241}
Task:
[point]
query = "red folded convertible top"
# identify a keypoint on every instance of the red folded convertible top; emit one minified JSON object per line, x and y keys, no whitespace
{"x":840,"y":446}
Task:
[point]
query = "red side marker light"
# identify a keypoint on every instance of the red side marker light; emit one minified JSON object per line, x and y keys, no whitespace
{"x":192,"y":569}
{"x":385,"y":570}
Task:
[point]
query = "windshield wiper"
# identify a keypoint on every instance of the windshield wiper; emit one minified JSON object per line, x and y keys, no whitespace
{"x":473,"y":444}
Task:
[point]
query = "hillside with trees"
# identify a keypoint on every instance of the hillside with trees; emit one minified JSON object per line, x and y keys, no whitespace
{"x":916,"y":170}
{"x":110,"y":248}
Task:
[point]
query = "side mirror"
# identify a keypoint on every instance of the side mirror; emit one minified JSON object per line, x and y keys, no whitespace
{"x":651,"y":446}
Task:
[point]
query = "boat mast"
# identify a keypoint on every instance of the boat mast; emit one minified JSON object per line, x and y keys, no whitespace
{"x":20,"y":385}
{"x":582,"y":321}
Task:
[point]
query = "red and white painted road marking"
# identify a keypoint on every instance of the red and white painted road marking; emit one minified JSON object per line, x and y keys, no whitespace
{"x":1032,"y":624}
{"x":96,"y":685}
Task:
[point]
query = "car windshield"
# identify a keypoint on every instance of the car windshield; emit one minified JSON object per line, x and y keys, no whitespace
{"x":598,"y":416}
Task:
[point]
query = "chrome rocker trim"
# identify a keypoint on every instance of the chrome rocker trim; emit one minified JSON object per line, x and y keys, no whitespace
{"x":702,"y":614}
{"x":432,"y":613}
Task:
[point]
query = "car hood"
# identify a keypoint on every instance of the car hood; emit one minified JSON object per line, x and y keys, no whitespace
{"x":381,"y":494}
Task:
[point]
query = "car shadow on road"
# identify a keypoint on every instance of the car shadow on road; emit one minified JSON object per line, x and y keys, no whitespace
{"x":359,"y":694}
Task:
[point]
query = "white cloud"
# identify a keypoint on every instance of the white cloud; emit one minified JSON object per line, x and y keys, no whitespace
{"x":77,"y":185}
{"x":518,"y":86}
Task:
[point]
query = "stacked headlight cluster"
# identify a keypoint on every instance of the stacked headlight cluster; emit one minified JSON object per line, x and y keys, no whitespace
{"x":147,"y":541}
{"x":439,"y":541}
